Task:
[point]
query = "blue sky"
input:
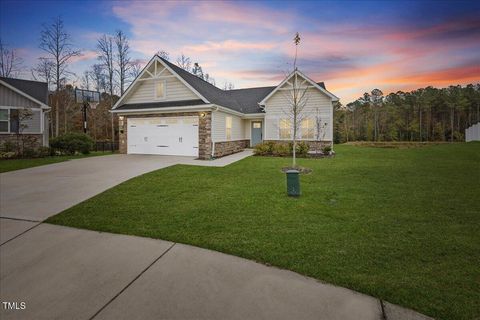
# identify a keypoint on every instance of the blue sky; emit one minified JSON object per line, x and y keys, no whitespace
{"x":353,"y":46}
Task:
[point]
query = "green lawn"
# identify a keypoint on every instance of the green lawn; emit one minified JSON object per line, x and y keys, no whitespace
{"x":17,"y":164}
{"x":399,"y":224}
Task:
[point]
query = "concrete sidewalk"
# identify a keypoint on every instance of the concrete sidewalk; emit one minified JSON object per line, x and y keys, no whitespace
{"x":66,"y":273}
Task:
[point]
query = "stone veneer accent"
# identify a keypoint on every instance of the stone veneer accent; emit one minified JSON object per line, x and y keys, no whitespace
{"x":37,"y":139}
{"x":204,"y":130}
{"x":228,"y":147}
{"x":314,"y":145}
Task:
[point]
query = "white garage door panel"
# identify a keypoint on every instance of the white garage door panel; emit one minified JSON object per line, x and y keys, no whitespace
{"x":163,"y":136}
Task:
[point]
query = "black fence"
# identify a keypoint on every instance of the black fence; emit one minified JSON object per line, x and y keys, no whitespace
{"x":105,"y":146}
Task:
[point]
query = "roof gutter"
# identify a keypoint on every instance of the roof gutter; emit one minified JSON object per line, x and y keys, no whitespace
{"x":205,"y":107}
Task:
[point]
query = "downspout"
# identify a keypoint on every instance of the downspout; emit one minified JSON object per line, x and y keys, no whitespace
{"x":211,"y":133}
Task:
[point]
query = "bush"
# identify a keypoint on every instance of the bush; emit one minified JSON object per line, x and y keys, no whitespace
{"x":9,"y":146}
{"x":262,"y":149}
{"x":282,"y":150}
{"x":44,"y":152}
{"x":302,"y":149}
{"x":72,"y":143}
{"x":326,"y":149}
{"x":7,"y":154}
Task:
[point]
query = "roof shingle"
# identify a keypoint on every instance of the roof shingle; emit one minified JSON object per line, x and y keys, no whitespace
{"x":35,"y":89}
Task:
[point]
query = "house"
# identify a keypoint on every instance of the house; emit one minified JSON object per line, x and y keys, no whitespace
{"x":169,"y":111}
{"x":16,"y":97}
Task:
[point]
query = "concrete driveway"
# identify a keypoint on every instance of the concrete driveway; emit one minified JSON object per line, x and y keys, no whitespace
{"x":34,"y":194}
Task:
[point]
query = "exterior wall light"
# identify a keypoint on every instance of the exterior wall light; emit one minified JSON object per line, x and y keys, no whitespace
{"x":202,"y":114}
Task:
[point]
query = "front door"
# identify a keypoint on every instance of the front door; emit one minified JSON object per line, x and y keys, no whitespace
{"x":257,"y":132}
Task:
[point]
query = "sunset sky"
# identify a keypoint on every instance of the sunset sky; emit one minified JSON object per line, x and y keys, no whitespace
{"x":352,"y":46}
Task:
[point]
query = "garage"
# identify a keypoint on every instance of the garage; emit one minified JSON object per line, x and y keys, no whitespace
{"x":163,"y":136}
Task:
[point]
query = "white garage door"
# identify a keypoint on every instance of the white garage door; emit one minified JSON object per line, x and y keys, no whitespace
{"x":165,"y":136}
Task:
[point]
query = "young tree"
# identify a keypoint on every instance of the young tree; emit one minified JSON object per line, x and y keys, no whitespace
{"x":296,"y":96}
{"x":56,"y":42}
{"x":320,"y":127}
{"x":106,"y":57}
{"x":184,"y":62}
{"x":123,"y":58}
{"x":10,"y":61}
{"x":98,"y":77}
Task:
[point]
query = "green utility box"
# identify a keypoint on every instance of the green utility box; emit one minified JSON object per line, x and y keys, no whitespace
{"x":293,"y":183}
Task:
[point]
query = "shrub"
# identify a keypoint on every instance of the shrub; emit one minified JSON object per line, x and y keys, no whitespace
{"x":302,"y":149}
{"x":72,"y":143}
{"x":44,"y":152}
{"x":7,"y":154}
{"x":262,"y":149}
{"x":282,"y":150}
{"x":9,"y":146}
{"x":326,"y":149}
{"x":29,"y":153}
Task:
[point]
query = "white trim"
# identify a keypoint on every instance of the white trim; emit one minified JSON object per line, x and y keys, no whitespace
{"x":156,"y":59}
{"x":253,"y":115}
{"x":331,"y":95}
{"x":157,"y":78}
{"x":20,"y":92}
{"x":205,"y":107}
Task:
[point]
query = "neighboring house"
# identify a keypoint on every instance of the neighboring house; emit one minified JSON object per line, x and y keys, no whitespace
{"x":169,"y":111}
{"x":17,"y":95}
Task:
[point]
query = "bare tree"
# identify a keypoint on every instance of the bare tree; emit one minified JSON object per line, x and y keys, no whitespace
{"x":198,"y":71}
{"x":56,"y":42}
{"x":184,"y":62}
{"x":98,"y":77}
{"x":106,"y":56}
{"x":123,"y":58}
{"x":209,"y":79}
{"x":44,"y":71}
{"x":228,"y":86}
{"x":163,"y":54}
{"x":135,"y":68}
{"x":320,"y":127}
{"x":10,"y":61}
{"x":86,"y":79}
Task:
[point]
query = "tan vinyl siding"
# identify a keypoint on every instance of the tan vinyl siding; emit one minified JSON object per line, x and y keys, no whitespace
{"x":276,"y":106}
{"x":11,"y":98}
{"x":219,"y":125}
{"x":175,"y":91}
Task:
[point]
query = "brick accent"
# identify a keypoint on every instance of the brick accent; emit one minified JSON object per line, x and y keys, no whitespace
{"x":229,"y":147}
{"x":314,"y":145}
{"x":204,"y":130}
{"x":36,"y":140}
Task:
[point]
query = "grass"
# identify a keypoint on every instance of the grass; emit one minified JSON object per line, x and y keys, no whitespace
{"x":402,"y":225}
{"x":17,"y":164}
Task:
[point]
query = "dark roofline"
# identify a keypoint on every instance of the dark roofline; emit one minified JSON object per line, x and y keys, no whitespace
{"x":32,"y":88}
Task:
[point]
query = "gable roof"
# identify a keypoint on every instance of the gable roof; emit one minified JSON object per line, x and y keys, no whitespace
{"x":240,"y":100}
{"x":35,"y":89}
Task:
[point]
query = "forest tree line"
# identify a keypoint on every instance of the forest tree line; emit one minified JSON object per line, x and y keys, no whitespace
{"x":425,"y":114}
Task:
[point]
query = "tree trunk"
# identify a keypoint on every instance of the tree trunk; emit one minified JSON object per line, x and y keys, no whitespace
{"x":420,"y":122}
{"x":57,"y":117}
{"x":452,"y":116}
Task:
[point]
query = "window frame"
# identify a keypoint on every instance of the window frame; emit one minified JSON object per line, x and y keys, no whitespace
{"x":164,"y":90}
{"x":303,"y":129}
{"x":281,"y":128}
{"x":7,"y":121}
{"x":228,"y":129}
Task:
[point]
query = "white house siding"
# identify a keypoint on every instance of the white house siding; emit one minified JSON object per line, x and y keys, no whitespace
{"x":276,"y":106}
{"x":145,"y":91}
{"x":11,"y":98}
{"x":219,"y":125}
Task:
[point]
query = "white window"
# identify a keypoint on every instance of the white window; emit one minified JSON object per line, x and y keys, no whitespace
{"x":4,"y":117}
{"x":285,"y":129}
{"x":308,"y":129}
{"x":228,"y":128}
{"x":160,"y":89}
